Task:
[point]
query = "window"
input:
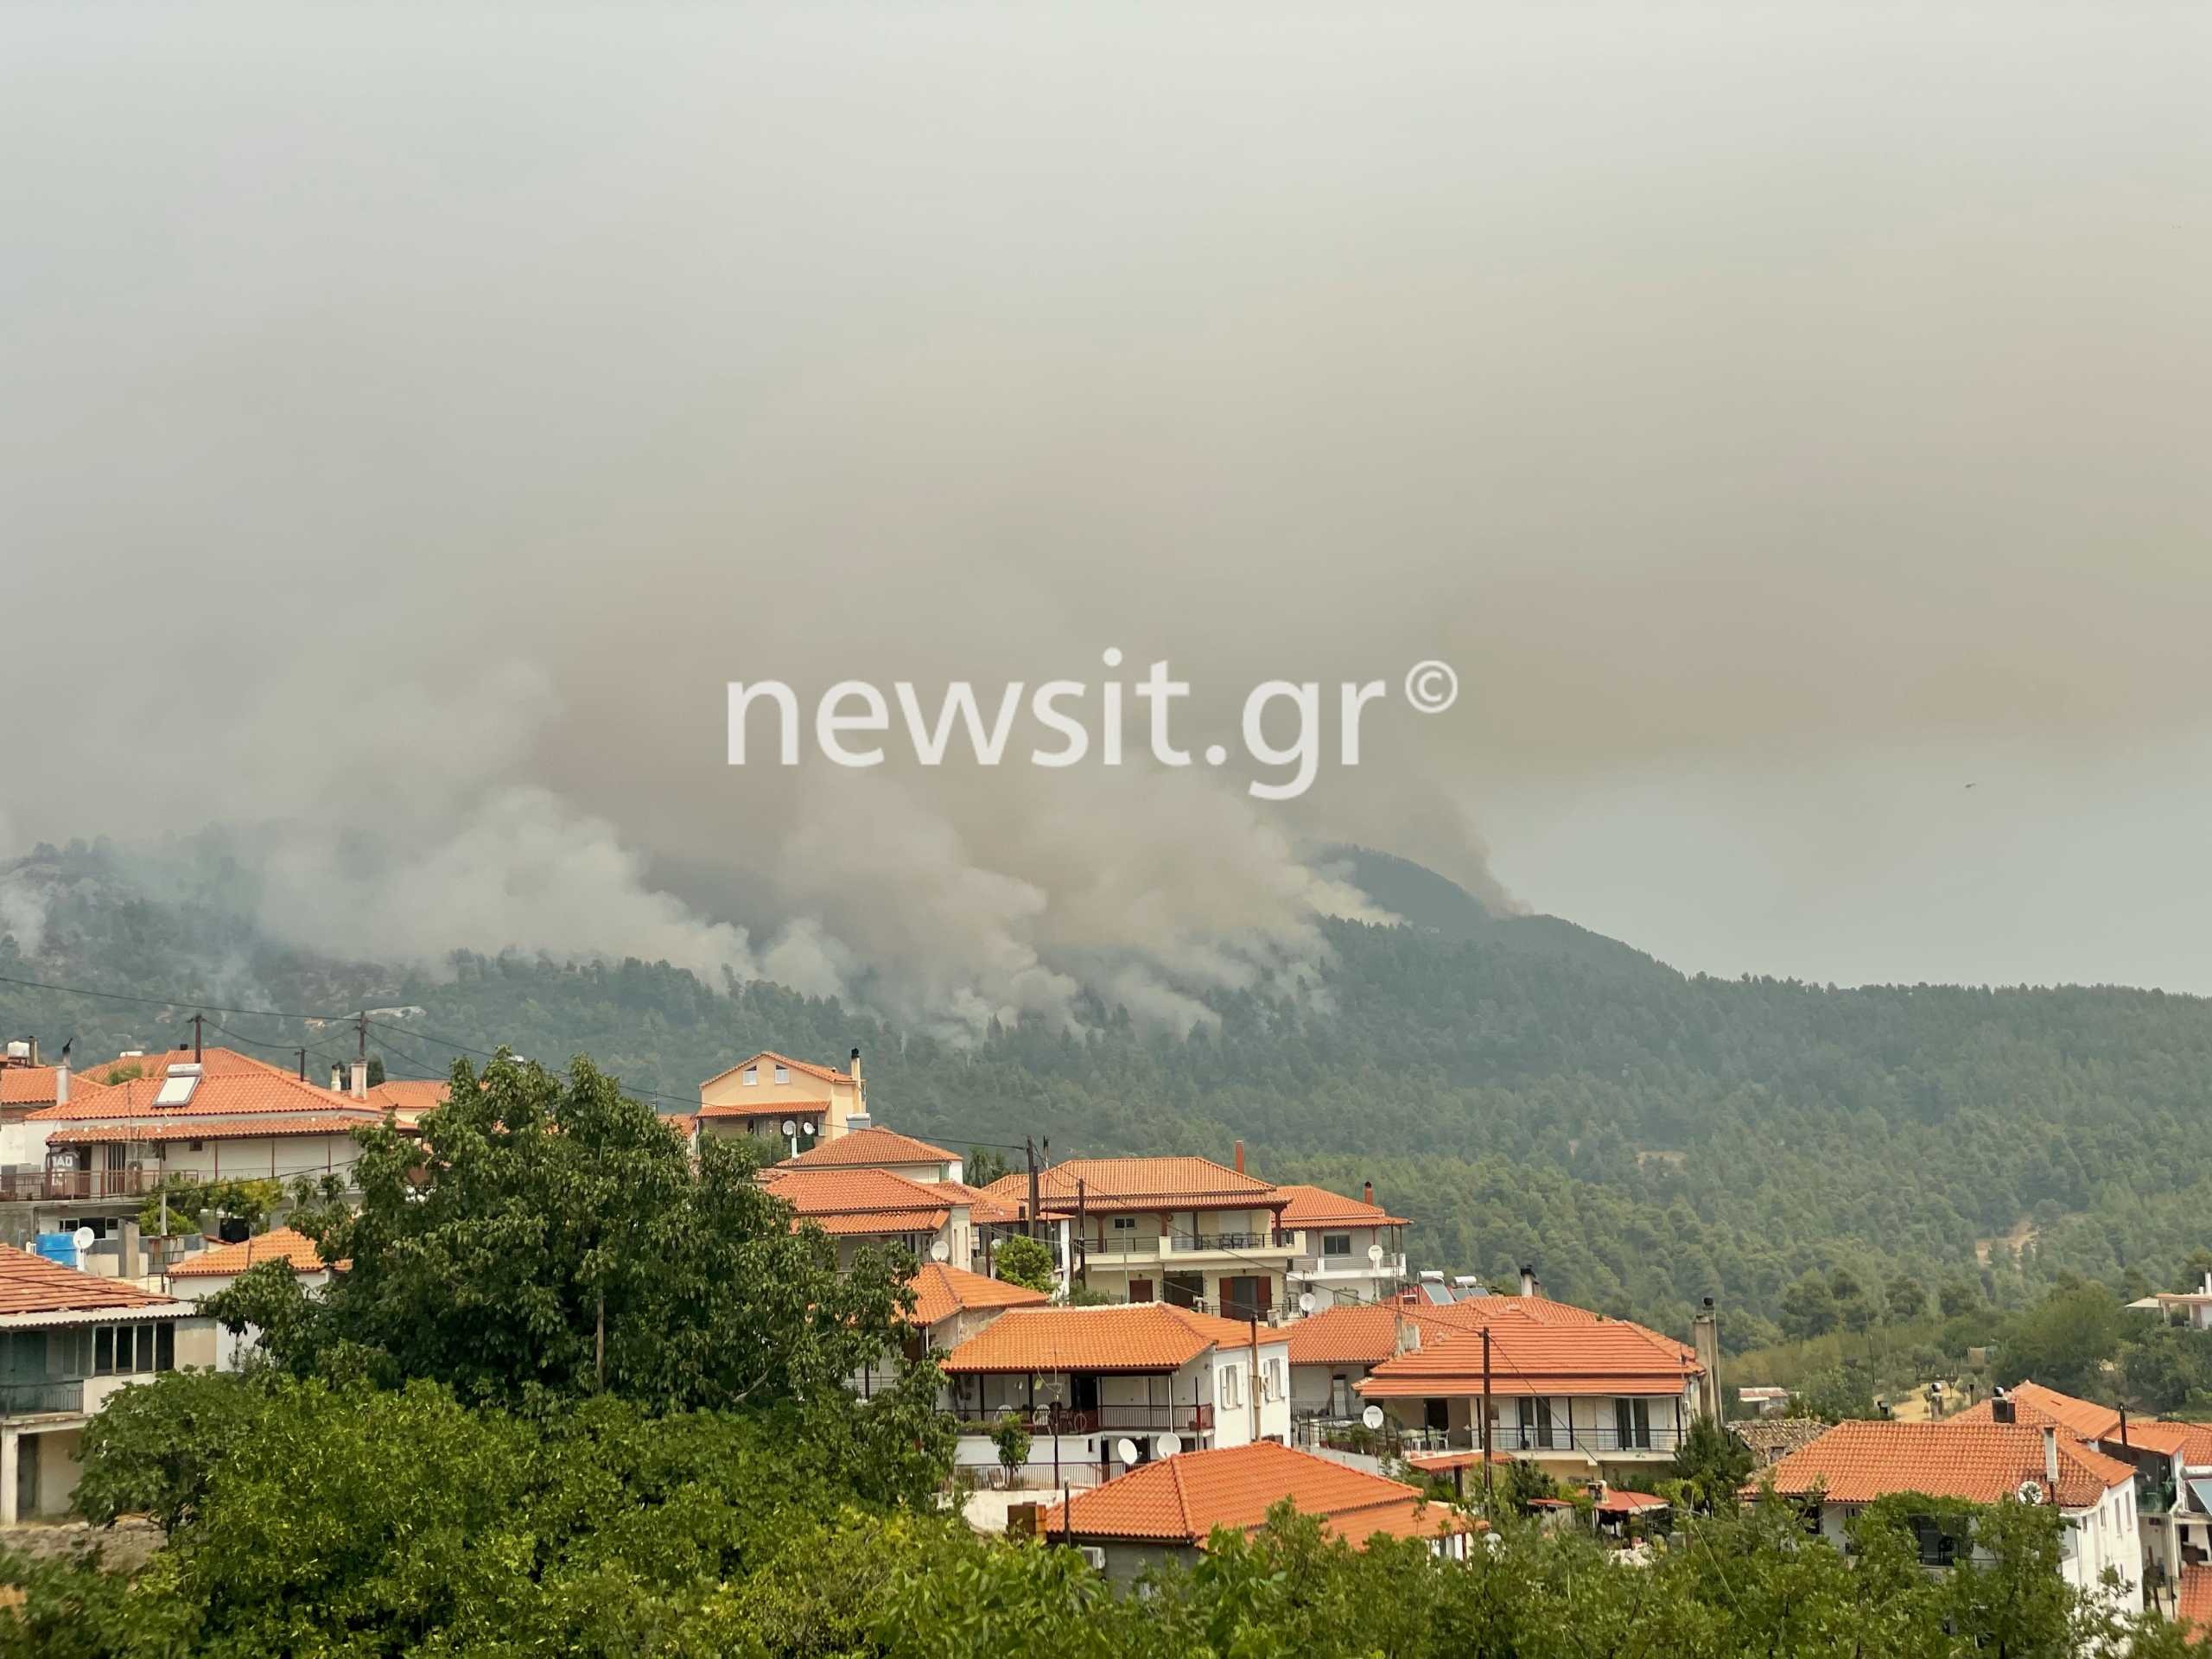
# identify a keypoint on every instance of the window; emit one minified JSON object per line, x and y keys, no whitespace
{"x":1232,"y":1387}
{"x":1336,"y":1244}
{"x":750,"y":1076}
{"x":783,"y":1074}
{"x":1536,"y":1422}
{"x":104,"y":1351}
{"x":1632,"y":1421}
{"x":133,"y":1350}
{"x":1125,"y":1225}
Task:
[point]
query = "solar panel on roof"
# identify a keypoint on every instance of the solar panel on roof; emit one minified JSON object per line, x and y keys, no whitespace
{"x":176,"y":1088}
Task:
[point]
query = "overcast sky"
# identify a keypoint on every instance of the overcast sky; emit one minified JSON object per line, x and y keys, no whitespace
{"x":1783,"y":417}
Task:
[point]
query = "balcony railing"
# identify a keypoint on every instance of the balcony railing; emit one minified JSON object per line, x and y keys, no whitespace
{"x":1563,"y":1437}
{"x":1185,"y":1419}
{"x":33,"y":1183}
{"x":44,"y":1393}
{"x":1390,"y":1266}
{"x":1275,"y":1239}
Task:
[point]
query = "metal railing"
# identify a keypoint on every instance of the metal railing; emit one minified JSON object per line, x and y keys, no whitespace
{"x":1567,"y":1437}
{"x":1390,"y":1266}
{"x":1275,"y":1239}
{"x":32,"y":1182}
{"x":1185,"y":1419}
{"x":44,"y":1394}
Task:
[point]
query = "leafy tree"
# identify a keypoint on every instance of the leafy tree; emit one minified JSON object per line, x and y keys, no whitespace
{"x":181,"y":1202}
{"x":1808,"y":1307}
{"x":982,"y":1166}
{"x":153,"y":1448}
{"x":1020,"y":1260}
{"x":1521,"y":1483}
{"x":1904,"y":1300}
{"x":1955,"y":1297}
{"x":2064,"y":1342}
{"x":1011,"y":1437}
{"x":1712,"y":1466}
{"x":2165,"y":1367}
{"x":548,"y":1237}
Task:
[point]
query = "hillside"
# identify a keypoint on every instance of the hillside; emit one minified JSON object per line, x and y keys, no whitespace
{"x":1502,"y":1081}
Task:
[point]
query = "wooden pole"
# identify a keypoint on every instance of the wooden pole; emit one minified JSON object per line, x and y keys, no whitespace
{"x":1486,"y":1472}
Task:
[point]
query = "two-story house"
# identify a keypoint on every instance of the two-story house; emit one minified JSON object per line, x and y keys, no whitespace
{"x":1984,"y":1462}
{"x":872,"y":1146}
{"x":68,"y":1340}
{"x":1607,"y":1398}
{"x":1186,"y":1231}
{"x":793,"y":1105}
{"x":1095,"y":1383}
{"x":1347,"y":1250}
{"x":859,"y":1207}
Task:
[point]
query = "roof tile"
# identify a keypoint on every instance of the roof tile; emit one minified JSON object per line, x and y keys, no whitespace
{"x":1979,"y":1462}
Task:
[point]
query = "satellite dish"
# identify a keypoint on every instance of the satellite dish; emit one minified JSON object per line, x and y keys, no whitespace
{"x":939,"y":1251}
{"x":1375,"y":1255}
{"x":1372,"y":1417}
{"x":1126,"y":1450}
{"x":82,"y":1238}
{"x":790,"y":1128}
{"x":812,"y":1127}
{"x":1169,"y":1445}
{"x":2030,"y":1491}
{"x":1306,"y":1301}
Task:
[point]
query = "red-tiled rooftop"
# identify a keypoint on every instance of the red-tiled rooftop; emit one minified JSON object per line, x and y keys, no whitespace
{"x":1608,"y":1357}
{"x":2193,"y":1603}
{"x":941,"y":1291}
{"x":1316,"y":1206}
{"x":874,"y":1145}
{"x":139,"y":1131}
{"x":1120,"y":1184}
{"x":801,"y":1068}
{"x":1183,"y":1499}
{"x":791,"y":1109}
{"x":230,"y":1085}
{"x":1361,"y":1334}
{"x":277,"y":1244}
{"x":1128,"y":1337}
{"x":822,"y":1191}
{"x":31,"y":1284}
{"x":1979,"y":1462}
{"x":2034,"y":1404}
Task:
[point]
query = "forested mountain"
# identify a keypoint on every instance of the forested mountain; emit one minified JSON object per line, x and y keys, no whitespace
{"x":1523,"y":1089}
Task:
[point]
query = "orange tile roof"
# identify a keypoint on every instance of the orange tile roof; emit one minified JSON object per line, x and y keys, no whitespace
{"x":31,"y":1284}
{"x":1183,"y":1499}
{"x":794,"y":1108}
{"x":2149,"y":1434}
{"x":1476,"y":1312}
{"x":1616,"y":1503}
{"x":1315,"y":1206}
{"x":1366,"y":1334}
{"x":407,"y":1098}
{"x":1122,"y":1337}
{"x":982,"y":1208}
{"x":941,"y":1291}
{"x":1611,"y":1357}
{"x":1115,"y":1183}
{"x":875,"y":1145}
{"x":876,"y":1223}
{"x":277,"y":1244}
{"x":230,"y":1085}
{"x":874,"y":1191}
{"x":1981,"y":1463}
{"x":33,"y":1085}
{"x":826,"y":1073}
{"x":2034,"y":1404}
{"x":139,"y":1133}
{"x":2193,"y":1603}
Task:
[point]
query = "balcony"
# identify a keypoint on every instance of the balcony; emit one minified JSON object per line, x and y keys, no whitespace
{"x":1656,"y":1441}
{"x":31,"y":1397}
{"x":1185,"y":1419}
{"x":1274,"y":1242}
{"x":35,"y":1184}
{"x":1347,"y":1266}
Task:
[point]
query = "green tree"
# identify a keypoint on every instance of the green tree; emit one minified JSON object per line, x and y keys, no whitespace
{"x":1010,"y":1435}
{"x":1809,"y":1308}
{"x":1904,"y":1300}
{"x":1020,"y":1260}
{"x":1712,"y":1466}
{"x":1955,"y":1297}
{"x":549,"y":1237}
{"x":2063,"y":1341}
{"x":982,"y":1166}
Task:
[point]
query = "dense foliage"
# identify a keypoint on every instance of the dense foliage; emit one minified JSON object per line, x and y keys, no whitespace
{"x":1523,"y":1089}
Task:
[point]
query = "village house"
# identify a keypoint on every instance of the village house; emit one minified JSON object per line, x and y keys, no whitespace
{"x":1854,"y":1463}
{"x":859,"y":1207}
{"x":794,"y":1105}
{"x":1095,"y":1385}
{"x":1185,"y":1231}
{"x":217,"y":1266}
{"x":872,"y":1146}
{"x":1604,"y":1398}
{"x":181,"y":1116}
{"x":1333,"y":1352}
{"x":950,"y":1304}
{"x":1168,"y":1511}
{"x":1345,"y":1249}
{"x":68,"y":1340}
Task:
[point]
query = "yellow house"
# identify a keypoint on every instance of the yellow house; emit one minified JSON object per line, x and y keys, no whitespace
{"x":795,"y":1104}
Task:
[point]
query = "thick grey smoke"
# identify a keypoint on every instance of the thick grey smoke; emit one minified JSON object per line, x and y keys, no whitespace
{"x":416,"y":418}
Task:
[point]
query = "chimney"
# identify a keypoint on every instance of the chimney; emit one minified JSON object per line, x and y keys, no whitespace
{"x":61,"y":1082}
{"x":33,"y":1041}
{"x":1240,"y":1157}
{"x":2050,"y":1460}
{"x":1367,"y":1192}
{"x":1704,"y":1332}
{"x":360,"y":1080}
{"x":336,"y":1079}
{"x":2000,"y":1408}
{"x":133,"y":1264}
{"x":1528,"y":1280}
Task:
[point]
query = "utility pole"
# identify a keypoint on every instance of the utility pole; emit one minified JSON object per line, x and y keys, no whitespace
{"x":361,"y":1023}
{"x":1029,"y":1146}
{"x":1255,"y":1390}
{"x":1486,"y":1476}
{"x":1081,"y":1237}
{"x":197,"y":1020}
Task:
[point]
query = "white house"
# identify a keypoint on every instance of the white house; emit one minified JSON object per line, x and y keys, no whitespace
{"x":1345,"y":1249}
{"x":869,"y":1146}
{"x":1092,"y":1383}
{"x":217,"y":1269}
{"x":1986,"y":1462}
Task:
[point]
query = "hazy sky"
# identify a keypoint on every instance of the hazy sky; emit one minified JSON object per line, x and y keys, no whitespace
{"x":1783,"y":417}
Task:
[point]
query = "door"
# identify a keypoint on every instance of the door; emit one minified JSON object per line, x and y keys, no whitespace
{"x":27,"y":1475}
{"x":1140,"y":1290}
{"x":1339,"y":1395}
{"x":1437,"y":1413}
{"x":1186,"y":1289}
{"x":1244,"y":1297}
{"x":1632,"y":1418}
